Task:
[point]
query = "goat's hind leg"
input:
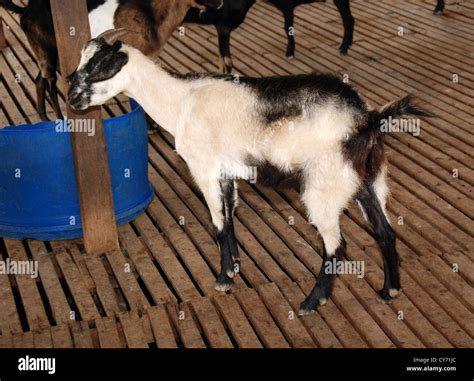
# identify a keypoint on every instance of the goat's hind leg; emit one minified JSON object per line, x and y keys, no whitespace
{"x":372,"y":202}
{"x":324,"y":208}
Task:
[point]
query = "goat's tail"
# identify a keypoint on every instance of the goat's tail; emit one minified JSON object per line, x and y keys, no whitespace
{"x":398,"y":109}
{"x":10,"y":6}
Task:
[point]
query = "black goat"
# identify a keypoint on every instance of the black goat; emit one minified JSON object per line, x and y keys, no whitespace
{"x":233,"y":13}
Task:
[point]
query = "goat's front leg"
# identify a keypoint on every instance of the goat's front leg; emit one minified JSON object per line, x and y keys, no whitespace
{"x":224,"y":48}
{"x":221,"y":198}
{"x":344,"y":8}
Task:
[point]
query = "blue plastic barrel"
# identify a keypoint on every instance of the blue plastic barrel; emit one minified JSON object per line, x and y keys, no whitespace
{"x":38,"y":194}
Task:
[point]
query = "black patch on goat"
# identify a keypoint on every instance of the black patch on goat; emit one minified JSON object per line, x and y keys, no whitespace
{"x":287,"y":96}
{"x":269,"y":175}
{"x":192,"y":76}
{"x":283,"y":97}
{"x":106,"y":62}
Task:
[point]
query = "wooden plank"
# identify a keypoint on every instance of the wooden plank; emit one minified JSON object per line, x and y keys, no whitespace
{"x":108,"y":334}
{"x":153,"y":280}
{"x":133,"y":330}
{"x":237,"y":322}
{"x":9,"y":318}
{"x":23,"y":340}
{"x":43,"y":339}
{"x":285,"y":316}
{"x":103,"y":286}
{"x":49,"y":278}
{"x":61,"y":336}
{"x":31,"y":298}
{"x":82,"y":297}
{"x":165,"y":257}
{"x":161,"y":326}
{"x":126,"y":280}
{"x":211,"y":324}
{"x":6,"y":341}
{"x":418,"y":296}
{"x":90,"y":155}
{"x":315,"y":324}
{"x":186,"y":327}
{"x":200,"y":270}
{"x":261,"y":320}
{"x":81,"y":334}
{"x":3,"y":42}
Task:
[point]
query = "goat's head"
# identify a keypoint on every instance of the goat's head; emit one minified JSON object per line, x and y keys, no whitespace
{"x":101,"y":73}
{"x":207,"y":4}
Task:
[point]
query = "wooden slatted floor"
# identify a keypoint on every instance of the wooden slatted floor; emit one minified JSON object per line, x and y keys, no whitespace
{"x":158,"y":291}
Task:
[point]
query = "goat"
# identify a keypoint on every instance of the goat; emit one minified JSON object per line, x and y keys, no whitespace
{"x":312,"y":129}
{"x":287,"y":7}
{"x":153,"y":21}
{"x":232,"y":14}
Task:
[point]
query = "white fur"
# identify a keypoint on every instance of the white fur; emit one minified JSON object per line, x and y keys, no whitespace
{"x":381,"y":190}
{"x":102,"y":18}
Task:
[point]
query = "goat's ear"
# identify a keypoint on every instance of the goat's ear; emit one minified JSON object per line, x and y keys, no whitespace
{"x":108,"y":67}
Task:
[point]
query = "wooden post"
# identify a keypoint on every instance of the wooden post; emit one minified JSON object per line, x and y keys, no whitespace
{"x":3,"y":42}
{"x":72,"y":31}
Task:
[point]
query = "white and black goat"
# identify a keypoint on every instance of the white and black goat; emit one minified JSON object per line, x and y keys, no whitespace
{"x":153,"y":22}
{"x":313,"y":129}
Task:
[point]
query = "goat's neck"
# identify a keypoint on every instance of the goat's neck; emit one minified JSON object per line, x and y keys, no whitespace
{"x":160,"y":94}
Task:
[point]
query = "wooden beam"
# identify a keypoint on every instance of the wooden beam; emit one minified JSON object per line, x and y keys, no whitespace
{"x":3,"y":42}
{"x":92,"y":168}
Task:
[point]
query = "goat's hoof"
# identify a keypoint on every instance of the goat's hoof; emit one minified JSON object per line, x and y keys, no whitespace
{"x":309,"y":306}
{"x":343,"y":51}
{"x":438,"y":12}
{"x":305,"y":312}
{"x":223,"y":283}
{"x":290,"y":57}
{"x":388,"y":295}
